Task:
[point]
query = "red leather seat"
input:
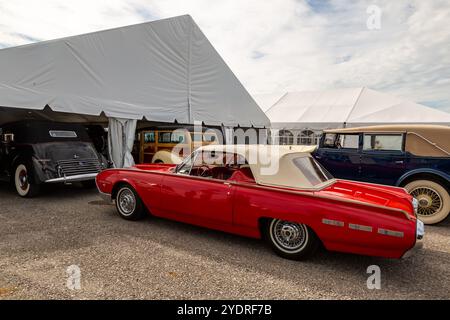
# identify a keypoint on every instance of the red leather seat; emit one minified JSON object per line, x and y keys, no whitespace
{"x":221,"y":173}
{"x":243,"y":175}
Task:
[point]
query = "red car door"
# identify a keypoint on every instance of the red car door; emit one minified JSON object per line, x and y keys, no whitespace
{"x":197,"y":200}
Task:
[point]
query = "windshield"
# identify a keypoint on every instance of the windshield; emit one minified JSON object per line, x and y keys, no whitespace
{"x":312,"y":170}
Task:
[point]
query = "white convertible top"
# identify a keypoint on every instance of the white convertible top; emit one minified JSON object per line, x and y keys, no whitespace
{"x":273,"y":165}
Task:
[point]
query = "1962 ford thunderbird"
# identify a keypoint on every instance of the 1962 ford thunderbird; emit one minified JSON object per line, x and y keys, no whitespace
{"x":292,"y":202}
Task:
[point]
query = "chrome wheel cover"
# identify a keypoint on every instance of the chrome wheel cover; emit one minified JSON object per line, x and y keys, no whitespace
{"x":290,"y":237}
{"x":21,"y":180}
{"x":126,"y":201}
{"x":430,"y":201}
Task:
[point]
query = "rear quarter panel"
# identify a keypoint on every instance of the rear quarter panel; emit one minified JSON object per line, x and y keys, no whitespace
{"x":252,"y":204}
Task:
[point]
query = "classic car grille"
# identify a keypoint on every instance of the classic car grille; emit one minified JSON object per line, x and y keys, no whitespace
{"x":74,"y":167}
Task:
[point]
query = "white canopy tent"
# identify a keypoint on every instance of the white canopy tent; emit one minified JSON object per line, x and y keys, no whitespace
{"x":314,"y":111}
{"x":162,"y":71}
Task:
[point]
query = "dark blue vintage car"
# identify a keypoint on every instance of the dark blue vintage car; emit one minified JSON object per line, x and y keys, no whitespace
{"x":416,"y":157}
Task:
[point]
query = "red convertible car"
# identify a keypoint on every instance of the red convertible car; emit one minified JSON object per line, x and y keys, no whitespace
{"x":278,"y":193}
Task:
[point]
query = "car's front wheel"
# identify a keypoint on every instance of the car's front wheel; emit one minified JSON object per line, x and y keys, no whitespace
{"x":23,"y":183}
{"x":291,"y":240}
{"x":128,"y":204}
{"x":433,"y":198}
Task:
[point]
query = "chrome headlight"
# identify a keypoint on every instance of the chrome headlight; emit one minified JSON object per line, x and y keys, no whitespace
{"x":415,"y":204}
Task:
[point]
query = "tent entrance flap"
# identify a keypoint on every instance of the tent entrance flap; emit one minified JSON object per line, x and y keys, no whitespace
{"x":121,"y":135}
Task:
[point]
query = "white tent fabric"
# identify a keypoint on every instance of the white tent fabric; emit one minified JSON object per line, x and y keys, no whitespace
{"x":350,"y":107}
{"x":165,"y":71}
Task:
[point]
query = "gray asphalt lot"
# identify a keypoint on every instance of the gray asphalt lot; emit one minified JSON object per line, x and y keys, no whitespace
{"x":159,"y":259}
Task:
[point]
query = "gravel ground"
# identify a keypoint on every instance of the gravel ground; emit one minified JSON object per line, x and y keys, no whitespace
{"x":159,"y":259}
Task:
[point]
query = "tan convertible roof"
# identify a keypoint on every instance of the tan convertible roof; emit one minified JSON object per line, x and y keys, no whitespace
{"x":422,"y":140}
{"x":272,"y":164}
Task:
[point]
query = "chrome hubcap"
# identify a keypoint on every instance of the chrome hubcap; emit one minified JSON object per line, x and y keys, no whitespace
{"x":429,"y":200}
{"x":23,"y":180}
{"x":289,"y":235}
{"x":126,"y":201}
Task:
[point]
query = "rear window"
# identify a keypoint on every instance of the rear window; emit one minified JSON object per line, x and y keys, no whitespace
{"x":43,"y":131}
{"x":386,"y":142}
{"x":312,"y":171}
{"x":62,"y":134}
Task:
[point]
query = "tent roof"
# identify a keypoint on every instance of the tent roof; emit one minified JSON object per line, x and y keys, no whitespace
{"x":165,"y":71}
{"x":346,"y":107}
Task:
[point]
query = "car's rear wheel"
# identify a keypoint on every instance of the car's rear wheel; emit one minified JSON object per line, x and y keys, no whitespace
{"x":291,"y":240}
{"x":433,"y":198}
{"x":128,"y":204}
{"x":23,"y":183}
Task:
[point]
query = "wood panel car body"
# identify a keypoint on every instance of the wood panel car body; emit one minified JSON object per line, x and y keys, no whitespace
{"x":345,"y":216}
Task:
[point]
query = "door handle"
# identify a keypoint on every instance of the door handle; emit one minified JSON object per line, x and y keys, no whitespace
{"x":228,"y":184}
{"x":399,"y":162}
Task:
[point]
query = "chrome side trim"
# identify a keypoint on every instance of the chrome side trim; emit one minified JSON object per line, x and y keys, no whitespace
{"x":392,"y":233}
{"x":78,"y":177}
{"x":333,"y":222}
{"x":360,"y":227}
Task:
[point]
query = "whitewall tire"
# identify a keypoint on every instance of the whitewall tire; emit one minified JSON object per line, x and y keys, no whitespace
{"x":433,"y":198}
{"x":23,"y":183}
{"x":291,"y":240}
{"x":128,"y":204}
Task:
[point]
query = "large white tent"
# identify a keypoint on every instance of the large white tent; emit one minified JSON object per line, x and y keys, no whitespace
{"x":162,"y":71}
{"x":314,"y":111}
{"x":348,"y":107}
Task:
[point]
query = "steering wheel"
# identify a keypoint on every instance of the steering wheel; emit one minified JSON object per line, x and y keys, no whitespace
{"x":203,"y":170}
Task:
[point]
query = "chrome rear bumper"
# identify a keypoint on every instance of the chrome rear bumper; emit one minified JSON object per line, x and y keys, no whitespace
{"x":76,"y":178}
{"x":420,"y":232}
{"x":105,"y":196}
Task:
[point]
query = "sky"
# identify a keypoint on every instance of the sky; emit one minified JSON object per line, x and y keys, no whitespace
{"x":399,"y":47}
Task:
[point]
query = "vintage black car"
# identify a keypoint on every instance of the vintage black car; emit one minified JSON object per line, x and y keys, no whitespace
{"x":33,"y":153}
{"x":416,"y":157}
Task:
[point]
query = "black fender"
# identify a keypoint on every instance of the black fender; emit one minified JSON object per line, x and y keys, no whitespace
{"x":429,"y":171}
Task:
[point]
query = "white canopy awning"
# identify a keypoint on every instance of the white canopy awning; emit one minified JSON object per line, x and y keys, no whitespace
{"x":344,"y":108}
{"x":165,"y":71}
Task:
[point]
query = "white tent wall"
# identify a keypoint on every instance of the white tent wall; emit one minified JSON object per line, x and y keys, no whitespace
{"x":300,"y":117}
{"x":163,"y":71}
